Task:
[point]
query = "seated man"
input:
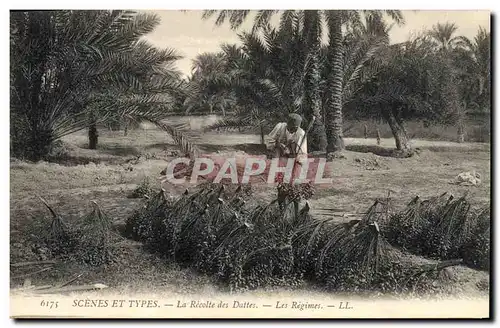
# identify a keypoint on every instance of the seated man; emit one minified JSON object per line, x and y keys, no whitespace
{"x":288,"y":139}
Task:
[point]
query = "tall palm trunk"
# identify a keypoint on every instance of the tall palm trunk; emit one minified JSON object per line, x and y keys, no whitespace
{"x":317,"y":139}
{"x":450,"y":92}
{"x":262,"y":137}
{"x":93,"y":134}
{"x":333,"y":113}
{"x":460,"y":133}
{"x":125,"y":123}
{"x":460,"y":123}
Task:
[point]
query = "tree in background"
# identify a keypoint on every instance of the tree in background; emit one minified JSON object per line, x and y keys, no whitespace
{"x":467,"y":83}
{"x":335,"y":20}
{"x":265,"y":76}
{"x":443,"y":36}
{"x":273,"y":62}
{"x":473,"y":58}
{"x":309,"y":25}
{"x":207,"y":71}
{"x":406,"y":86}
{"x":445,"y":43}
{"x":363,"y":45}
{"x":312,"y":71}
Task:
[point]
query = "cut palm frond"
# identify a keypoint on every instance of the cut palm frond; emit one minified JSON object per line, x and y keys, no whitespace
{"x":181,"y":139}
{"x":97,"y":238}
{"x":61,"y":238}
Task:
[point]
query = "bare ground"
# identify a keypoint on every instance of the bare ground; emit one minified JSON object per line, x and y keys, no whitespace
{"x":109,"y":174}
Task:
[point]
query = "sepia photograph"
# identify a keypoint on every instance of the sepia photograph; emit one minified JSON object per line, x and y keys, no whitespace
{"x":245,"y":164}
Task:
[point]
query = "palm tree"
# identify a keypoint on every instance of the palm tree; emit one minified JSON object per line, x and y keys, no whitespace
{"x":364,"y":46}
{"x":475,"y":56}
{"x":443,"y":36}
{"x":237,"y":17}
{"x":207,"y":63}
{"x":406,"y":86}
{"x":312,"y":99}
{"x":445,"y":43}
{"x":72,"y":70}
{"x":335,"y":20}
{"x":311,"y":29}
{"x":207,"y":70}
{"x":265,"y":75}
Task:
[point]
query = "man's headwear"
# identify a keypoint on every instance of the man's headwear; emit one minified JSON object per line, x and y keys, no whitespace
{"x":295,"y":118}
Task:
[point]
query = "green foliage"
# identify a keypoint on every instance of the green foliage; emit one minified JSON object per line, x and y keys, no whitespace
{"x":248,"y":246}
{"x":437,"y":77}
{"x":262,"y":78}
{"x":282,"y":70}
{"x":209,"y":72}
{"x":472,"y":59}
{"x":73,"y":68}
{"x":442,"y":36}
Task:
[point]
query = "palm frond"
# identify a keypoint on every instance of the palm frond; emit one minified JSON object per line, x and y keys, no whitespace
{"x":262,"y":19}
{"x":231,"y":123}
{"x":359,"y":67}
{"x":235,"y":17}
{"x":179,"y":137}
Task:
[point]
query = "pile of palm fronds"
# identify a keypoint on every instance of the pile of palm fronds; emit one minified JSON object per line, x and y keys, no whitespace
{"x":476,"y":246}
{"x":442,"y":227}
{"x":214,"y":231}
{"x":90,"y":242}
{"x":58,"y":237}
{"x":185,"y":229}
{"x":97,"y":238}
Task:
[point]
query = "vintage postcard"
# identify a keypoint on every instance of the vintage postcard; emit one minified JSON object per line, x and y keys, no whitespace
{"x":250,"y":164}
